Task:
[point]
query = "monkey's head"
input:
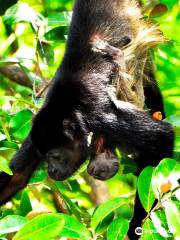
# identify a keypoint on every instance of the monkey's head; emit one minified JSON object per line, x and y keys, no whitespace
{"x":104,"y":166}
{"x":65,"y":158}
{"x":63,"y":161}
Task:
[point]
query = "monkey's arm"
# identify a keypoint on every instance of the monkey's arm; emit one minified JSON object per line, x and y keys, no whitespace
{"x":22,"y":165}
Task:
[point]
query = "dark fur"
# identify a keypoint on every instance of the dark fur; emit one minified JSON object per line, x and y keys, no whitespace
{"x":80,"y":91}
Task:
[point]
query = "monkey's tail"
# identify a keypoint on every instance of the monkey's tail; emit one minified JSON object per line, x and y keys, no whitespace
{"x":22,"y":165}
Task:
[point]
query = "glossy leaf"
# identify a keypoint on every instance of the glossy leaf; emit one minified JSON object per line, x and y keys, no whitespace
{"x":62,"y":18}
{"x":20,"y":12}
{"x":173,"y":217}
{"x":25,"y":204}
{"x":105,"y":209}
{"x":5,"y":145}
{"x":167,"y":171}
{"x":12,"y":223}
{"x":103,"y":225}
{"x":45,"y":226}
{"x":40,"y":174}
{"x":74,"y":229}
{"x":160,"y":223}
{"x":46,"y":52}
{"x":145,"y":192}
{"x":149,"y":232}
{"x":56,"y":34}
{"x":20,"y":124}
{"x":118,"y":229}
{"x":2,"y":137}
{"x":4,"y":166}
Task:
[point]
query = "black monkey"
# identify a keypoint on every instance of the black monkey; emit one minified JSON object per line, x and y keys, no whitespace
{"x":83,"y":85}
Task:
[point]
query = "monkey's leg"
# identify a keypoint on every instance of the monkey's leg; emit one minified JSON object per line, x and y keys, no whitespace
{"x":154,"y":102}
{"x":22,"y":165}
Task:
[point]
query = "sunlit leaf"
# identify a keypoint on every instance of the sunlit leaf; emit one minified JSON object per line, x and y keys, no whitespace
{"x":103,"y":225}
{"x":25,"y":204}
{"x":2,"y":136}
{"x":12,"y":223}
{"x":40,"y":174}
{"x":20,"y":12}
{"x":173,"y":217}
{"x":20,"y":124}
{"x":74,"y":229}
{"x":62,"y":18}
{"x":46,"y":52}
{"x":149,"y":232}
{"x":118,"y":229}
{"x":105,"y":209}
{"x":4,"y":166}
{"x":145,"y":189}
{"x":167,"y":171}
{"x":160,"y":223}
{"x":45,"y":226}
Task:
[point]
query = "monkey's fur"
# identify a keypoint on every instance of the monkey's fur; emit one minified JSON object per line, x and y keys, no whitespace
{"x":83,"y":91}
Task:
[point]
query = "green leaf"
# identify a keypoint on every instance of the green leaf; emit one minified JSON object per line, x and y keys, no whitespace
{"x":57,"y":34}
{"x":46,"y":52}
{"x":11,"y":223}
{"x":72,"y":207}
{"x":117,"y":229}
{"x":20,"y":124}
{"x":160,"y":223}
{"x":75,"y":209}
{"x":40,"y":174}
{"x":45,"y":226}
{"x":145,"y":192}
{"x":74,"y":229}
{"x":5,"y":5}
{"x":25,"y":204}
{"x":168,"y":170}
{"x":62,"y":18}
{"x":20,"y":12}
{"x":2,"y":137}
{"x":4,"y":166}
{"x":4,"y":145}
{"x":105,"y":209}
{"x":149,"y":232}
{"x":103,"y":225}
{"x":177,"y":143}
{"x":173,"y":217}
{"x":175,"y":121}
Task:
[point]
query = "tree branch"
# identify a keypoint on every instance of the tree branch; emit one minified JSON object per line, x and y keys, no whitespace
{"x":15,"y":74}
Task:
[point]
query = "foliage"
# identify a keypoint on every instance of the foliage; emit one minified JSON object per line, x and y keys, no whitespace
{"x":32,"y":39}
